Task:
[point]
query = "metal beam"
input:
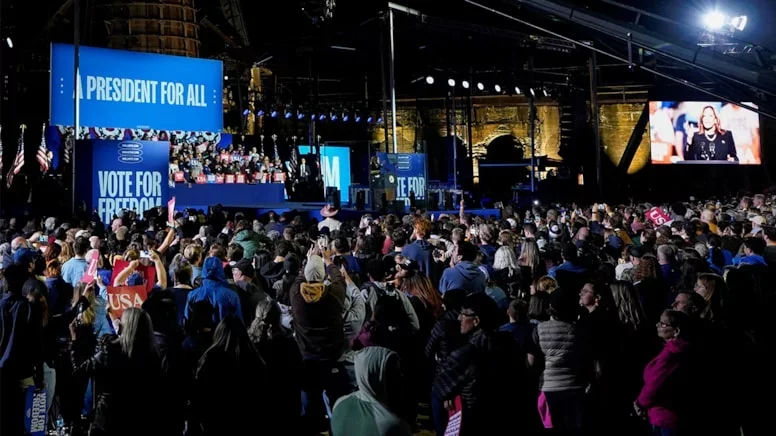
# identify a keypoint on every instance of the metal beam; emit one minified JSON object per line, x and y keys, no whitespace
{"x":743,"y":73}
{"x":619,"y":58}
{"x":634,"y":141}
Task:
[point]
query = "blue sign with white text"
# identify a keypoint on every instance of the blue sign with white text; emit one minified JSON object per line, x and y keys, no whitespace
{"x":130,"y":89}
{"x":131,"y":175}
{"x":410,"y":171}
{"x":335,"y":166}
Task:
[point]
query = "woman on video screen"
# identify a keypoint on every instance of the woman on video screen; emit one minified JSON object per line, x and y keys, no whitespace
{"x":711,"y":142}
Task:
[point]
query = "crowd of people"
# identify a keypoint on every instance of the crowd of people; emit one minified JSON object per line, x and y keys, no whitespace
{"x":561,"y":319}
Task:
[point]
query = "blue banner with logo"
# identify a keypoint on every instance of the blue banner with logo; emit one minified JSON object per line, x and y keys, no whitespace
{"x":335,"y":167}
{"x":130,"y":89}
{"x":410,"y":171}
{"x":112,"y":176}
{"x":35,"y":411}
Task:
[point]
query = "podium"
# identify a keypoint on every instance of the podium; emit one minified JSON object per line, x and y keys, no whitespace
{"x":384,"y":189}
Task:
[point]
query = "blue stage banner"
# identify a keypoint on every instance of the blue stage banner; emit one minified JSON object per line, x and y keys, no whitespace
{"x":137,"y":90}
{"x":131,"y":175}
{"x":335,"y":166}
{"x":410,"y":171}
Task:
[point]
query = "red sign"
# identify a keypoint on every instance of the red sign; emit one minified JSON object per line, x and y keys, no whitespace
{"x":257,"y":176}
{"x":657,"y":216}
{"x":225,"y":157}
{"x":91,"y":270}
{"x":230,"y":178}
{"x":179,"y":176}
{"x":121,"y":298}
{"x":201,"y":178}
{"x":280,"y":177}
{"x":219,"y":178}
{"x":171,"y":211}
{"x":241,"y":178}
{"x":147,"y":272}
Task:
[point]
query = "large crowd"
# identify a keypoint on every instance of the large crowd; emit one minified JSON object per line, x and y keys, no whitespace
{"x":188,"y":161}
{"x":556,"y":318}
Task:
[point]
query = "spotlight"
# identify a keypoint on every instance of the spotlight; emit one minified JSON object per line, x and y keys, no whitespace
{"x":517,"y":90}
{"x":451,"y":82}
{"x":465,"y":84}
{"x":480,"y":86}
{"x":536,"y":202}
{"x":369,"y":119}
{"x":287,"y":114}
{"x":312,"y":117}
{"x":497,"y":88}
{"x":544,"y":91}
{"x":345,"y":117}
{"x":300,"y":116}
{"x":9,"y":42}
{"x":246,"y":112}
{"x":533,"y":94}
{"x":260,"y":113}
{"x":358,"y":118}
{"x":274,"y":113}
{"x":379,"y":120}
{"x":430,"y":80}
{"x":226,"y":77}
{"x":322,"y":117}
{"x":739,"y":23}
{"x":714,"y":20}
{"x":333,"y":116}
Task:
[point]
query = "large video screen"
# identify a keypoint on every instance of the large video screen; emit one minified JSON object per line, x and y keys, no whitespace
{"x":703,"y":132}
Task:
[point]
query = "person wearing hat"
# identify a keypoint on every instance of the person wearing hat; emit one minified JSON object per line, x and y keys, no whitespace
{"x":317,"y":301}
{"x":25,"y":257}
{"x":624,"y":271}
{"x":248,"y":288}
{"x":215,"y":289}
{"x":328,"y":212}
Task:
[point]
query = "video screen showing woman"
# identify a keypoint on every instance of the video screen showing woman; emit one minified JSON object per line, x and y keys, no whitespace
{"x":711,"y":142}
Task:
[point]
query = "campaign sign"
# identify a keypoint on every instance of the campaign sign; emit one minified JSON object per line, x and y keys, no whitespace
{"x":122,"y":175}
{"x":146,"y":273}
{"x":35,"y":411}
{"x":121,"y":298}
{"x":657,"y":216}
{"x":410,"y":171}
{"x":137,"y":90}
{"x":335,"y":166}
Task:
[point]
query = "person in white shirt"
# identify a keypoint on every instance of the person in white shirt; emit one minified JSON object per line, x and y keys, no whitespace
{"x":328,"y":212}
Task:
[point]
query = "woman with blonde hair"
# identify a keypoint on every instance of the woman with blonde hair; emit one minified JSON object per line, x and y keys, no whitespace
{"x":66,"y":253}
{"x":544,"y":284}
{"x":507,"y":271}
{"x":712,"y":288}
{"x":530,"y":261}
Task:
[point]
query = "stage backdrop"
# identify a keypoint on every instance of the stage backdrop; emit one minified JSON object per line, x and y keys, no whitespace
{"x":410,"y":171}
{"x":130,"y":89}
{"x":115,"y":175}
{"x":335,"y":165}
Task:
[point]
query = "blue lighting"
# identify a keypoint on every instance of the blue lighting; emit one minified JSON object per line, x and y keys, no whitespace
{"x":379,"y":120}
{"x":300,"y":116}
{"x":273,"y":114}
{"x":246,"y":112}
{"x":288,"y":114}
{"x":260,"y":113}
{"x":345,"y":117}
{"x":322,"y":117}
{"x":369,"y":119}
{"x":334,"y":117}
{"x":358,"y":118}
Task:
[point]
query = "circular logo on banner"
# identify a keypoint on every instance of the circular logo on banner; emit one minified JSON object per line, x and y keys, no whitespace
{"x":391,"y":179}
{"x":130,"y":152}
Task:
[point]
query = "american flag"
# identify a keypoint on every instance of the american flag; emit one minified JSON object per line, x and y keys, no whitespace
{"x":42,"y":155}
{"x":18,"y":162}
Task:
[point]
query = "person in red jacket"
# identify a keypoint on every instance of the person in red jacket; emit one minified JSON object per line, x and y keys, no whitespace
{"x":664,"y":399}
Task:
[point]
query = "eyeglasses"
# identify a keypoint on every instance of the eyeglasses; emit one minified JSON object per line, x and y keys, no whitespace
{"x":663,"y":325}
{"x":469,"y":315}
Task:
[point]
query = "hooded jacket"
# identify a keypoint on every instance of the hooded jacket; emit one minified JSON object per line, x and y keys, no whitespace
{"x":317,"y":309}
{"x":368,"y":411}
{"x":216,"y":290}
{"x":465,"y":276}
{"x":249,"y":241}
{"x":421,"y":252}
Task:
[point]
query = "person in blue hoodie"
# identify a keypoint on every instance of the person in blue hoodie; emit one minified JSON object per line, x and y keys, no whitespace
{"x":752,"y":252}
{"x":570,"y":263}
{"x":215,"y":290}
{"x":465,"y":275}
{"x":420,"y":250}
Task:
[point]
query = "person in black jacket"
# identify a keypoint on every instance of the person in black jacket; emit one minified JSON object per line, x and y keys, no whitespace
{"x":711,"y":142}
{"x":127,"y":373}
{"x":318,"y":326}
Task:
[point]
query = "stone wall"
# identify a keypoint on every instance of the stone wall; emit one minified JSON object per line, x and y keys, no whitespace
{"x":491,"y":121}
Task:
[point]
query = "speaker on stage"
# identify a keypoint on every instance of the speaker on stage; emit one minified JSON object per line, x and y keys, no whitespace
{"x":333,"y":196}
{"x":361,"y":200}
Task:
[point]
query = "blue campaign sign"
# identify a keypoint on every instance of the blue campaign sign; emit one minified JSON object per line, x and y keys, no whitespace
{"x":137,"y":90}
{"x":410,"y":171}
{"x":335,"y":166}
{"x":116,"y":175}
